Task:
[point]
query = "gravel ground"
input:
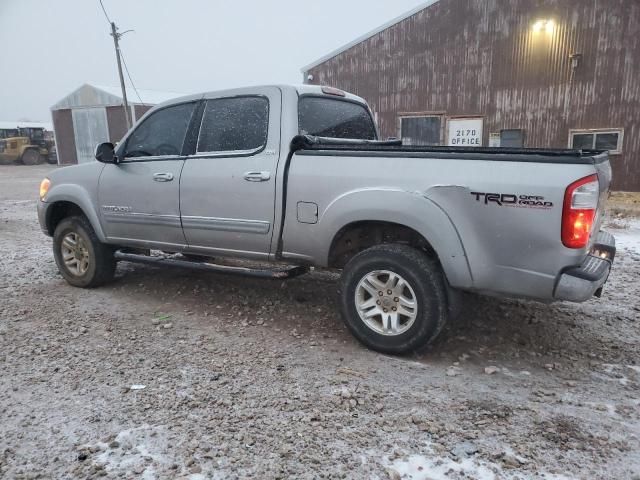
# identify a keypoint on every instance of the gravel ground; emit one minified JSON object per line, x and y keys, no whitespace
{"x":176,"y":374}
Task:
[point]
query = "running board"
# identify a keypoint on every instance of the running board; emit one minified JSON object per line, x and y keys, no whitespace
{"x":276,"y":273}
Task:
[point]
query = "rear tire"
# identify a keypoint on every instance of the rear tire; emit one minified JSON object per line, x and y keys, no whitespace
{"x":31,"y":156}
{"x":393,"y":298}
{"x":82,"y":259}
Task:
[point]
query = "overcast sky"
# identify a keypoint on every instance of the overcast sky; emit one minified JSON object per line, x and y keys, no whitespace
{"x":187,"y":46}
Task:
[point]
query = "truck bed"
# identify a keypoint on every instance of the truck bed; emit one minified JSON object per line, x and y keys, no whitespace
{"x":484,"y":245}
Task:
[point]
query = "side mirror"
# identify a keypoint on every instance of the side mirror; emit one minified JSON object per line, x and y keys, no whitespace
{"x":105,"y":153}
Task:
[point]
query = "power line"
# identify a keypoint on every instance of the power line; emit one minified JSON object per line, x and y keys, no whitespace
{"x":106,"y":15}
{"x":129,"y":75}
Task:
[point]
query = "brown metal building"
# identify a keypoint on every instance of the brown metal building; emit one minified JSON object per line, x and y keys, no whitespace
{"x":533,"y":73}
{"x":94,"y":114}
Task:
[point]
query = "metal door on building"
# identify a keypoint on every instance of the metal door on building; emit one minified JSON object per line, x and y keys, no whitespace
{"x":90,"y":128}
{"x":421,"y":130}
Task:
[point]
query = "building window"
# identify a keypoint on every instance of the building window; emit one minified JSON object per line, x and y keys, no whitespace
{"x":610,"y":140}
{"x":512,"y":138}
{"x":421,"y":130}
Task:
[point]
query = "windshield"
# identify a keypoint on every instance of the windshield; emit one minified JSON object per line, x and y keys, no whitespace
{"x":327,"y":117}
{"x":37,"y":134}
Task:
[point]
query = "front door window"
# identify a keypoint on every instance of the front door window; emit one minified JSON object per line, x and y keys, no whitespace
{"x":162,"y":133}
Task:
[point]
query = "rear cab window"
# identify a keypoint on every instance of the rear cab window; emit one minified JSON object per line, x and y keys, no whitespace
{"x":335,"y":118}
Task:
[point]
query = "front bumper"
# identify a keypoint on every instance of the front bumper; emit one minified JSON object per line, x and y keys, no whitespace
{"x":579,"y":284}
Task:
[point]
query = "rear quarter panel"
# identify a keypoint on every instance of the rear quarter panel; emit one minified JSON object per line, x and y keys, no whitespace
{"x":483,"y":245}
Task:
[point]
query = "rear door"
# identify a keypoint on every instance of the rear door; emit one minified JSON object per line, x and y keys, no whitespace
{"x":140,"y":196}
{"x":228,"y":186}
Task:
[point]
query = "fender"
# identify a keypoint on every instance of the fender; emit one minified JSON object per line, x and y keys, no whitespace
{"x":411,"y":209}
{"x":73,"y":193}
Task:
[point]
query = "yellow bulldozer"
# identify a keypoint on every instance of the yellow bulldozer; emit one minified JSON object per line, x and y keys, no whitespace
{"x":24,"y":143}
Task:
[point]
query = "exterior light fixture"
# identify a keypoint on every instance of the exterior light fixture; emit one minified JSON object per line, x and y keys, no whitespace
{"x":548,"y":26}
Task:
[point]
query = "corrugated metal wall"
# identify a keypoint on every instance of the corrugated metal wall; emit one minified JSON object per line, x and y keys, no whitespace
{"x":485,"y":58}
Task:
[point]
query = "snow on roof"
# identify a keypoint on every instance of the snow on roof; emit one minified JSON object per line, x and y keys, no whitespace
{"x":91,"y":95}
{"x":8,"y":125}
{"x":367,"y":36}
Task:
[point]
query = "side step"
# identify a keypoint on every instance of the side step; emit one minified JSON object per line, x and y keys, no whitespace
{"x":169,"y":261}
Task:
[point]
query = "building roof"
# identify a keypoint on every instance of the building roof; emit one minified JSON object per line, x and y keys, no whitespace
{"x":9,"y":125}
{"x":91,"y":95}
{"x":367,"y":36}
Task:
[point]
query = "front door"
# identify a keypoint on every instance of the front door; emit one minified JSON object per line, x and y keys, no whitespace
{"x":228,"y":186}
{"x":140,"y":197}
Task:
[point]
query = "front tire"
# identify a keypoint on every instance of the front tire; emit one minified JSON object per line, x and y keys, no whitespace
{"x":31,"y":156}
{"x":82,"y":259}
{"x":393,"y":298}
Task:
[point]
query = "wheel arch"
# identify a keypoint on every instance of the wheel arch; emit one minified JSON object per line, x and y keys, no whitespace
{"x":72,"y":201}
{"x":394,"y":216}
{"x":360,"y":235}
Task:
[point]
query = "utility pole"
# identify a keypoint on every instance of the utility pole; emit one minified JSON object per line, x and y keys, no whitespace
{"x":116,"y":38}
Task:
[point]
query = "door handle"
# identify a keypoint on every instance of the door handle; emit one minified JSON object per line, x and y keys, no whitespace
{"x":257,"y":176}
{"x":163,"y":177}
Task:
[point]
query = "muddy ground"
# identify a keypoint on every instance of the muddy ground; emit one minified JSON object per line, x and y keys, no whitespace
{"x":176,"y":374}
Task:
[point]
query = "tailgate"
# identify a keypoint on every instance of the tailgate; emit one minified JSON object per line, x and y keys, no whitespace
{"x":605,"y":176}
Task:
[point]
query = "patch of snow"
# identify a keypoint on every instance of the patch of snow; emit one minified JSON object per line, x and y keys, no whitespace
{"x":608,"y":407}
{"x":418,"y":467}
{"x":613,"y":370}
{"x":434,"y":467}
{"x":628,"y":238}
{"x":137,"y":446}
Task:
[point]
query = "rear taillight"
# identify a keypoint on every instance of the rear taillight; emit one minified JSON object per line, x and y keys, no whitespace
{"x":579,"y":213}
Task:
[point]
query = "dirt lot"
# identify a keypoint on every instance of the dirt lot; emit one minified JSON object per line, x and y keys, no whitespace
{"x":250,"y":378}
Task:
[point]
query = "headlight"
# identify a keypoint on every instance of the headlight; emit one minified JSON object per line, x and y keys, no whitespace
{"x":44,"y":187}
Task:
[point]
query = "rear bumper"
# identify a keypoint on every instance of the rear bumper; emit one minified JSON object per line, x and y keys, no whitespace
{"x":579,"y":284}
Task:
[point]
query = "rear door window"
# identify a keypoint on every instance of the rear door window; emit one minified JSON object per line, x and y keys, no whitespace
{"x":326,"y":117}
{"x":238,"y":124}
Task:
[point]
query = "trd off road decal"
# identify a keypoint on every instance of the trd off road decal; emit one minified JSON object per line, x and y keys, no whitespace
{"x":512,"y":200}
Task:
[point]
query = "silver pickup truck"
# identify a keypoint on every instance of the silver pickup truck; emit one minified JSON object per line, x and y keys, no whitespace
{"x":284,"y":178}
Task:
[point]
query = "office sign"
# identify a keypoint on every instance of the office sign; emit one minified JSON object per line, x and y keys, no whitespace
{"x":465,"y":132}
